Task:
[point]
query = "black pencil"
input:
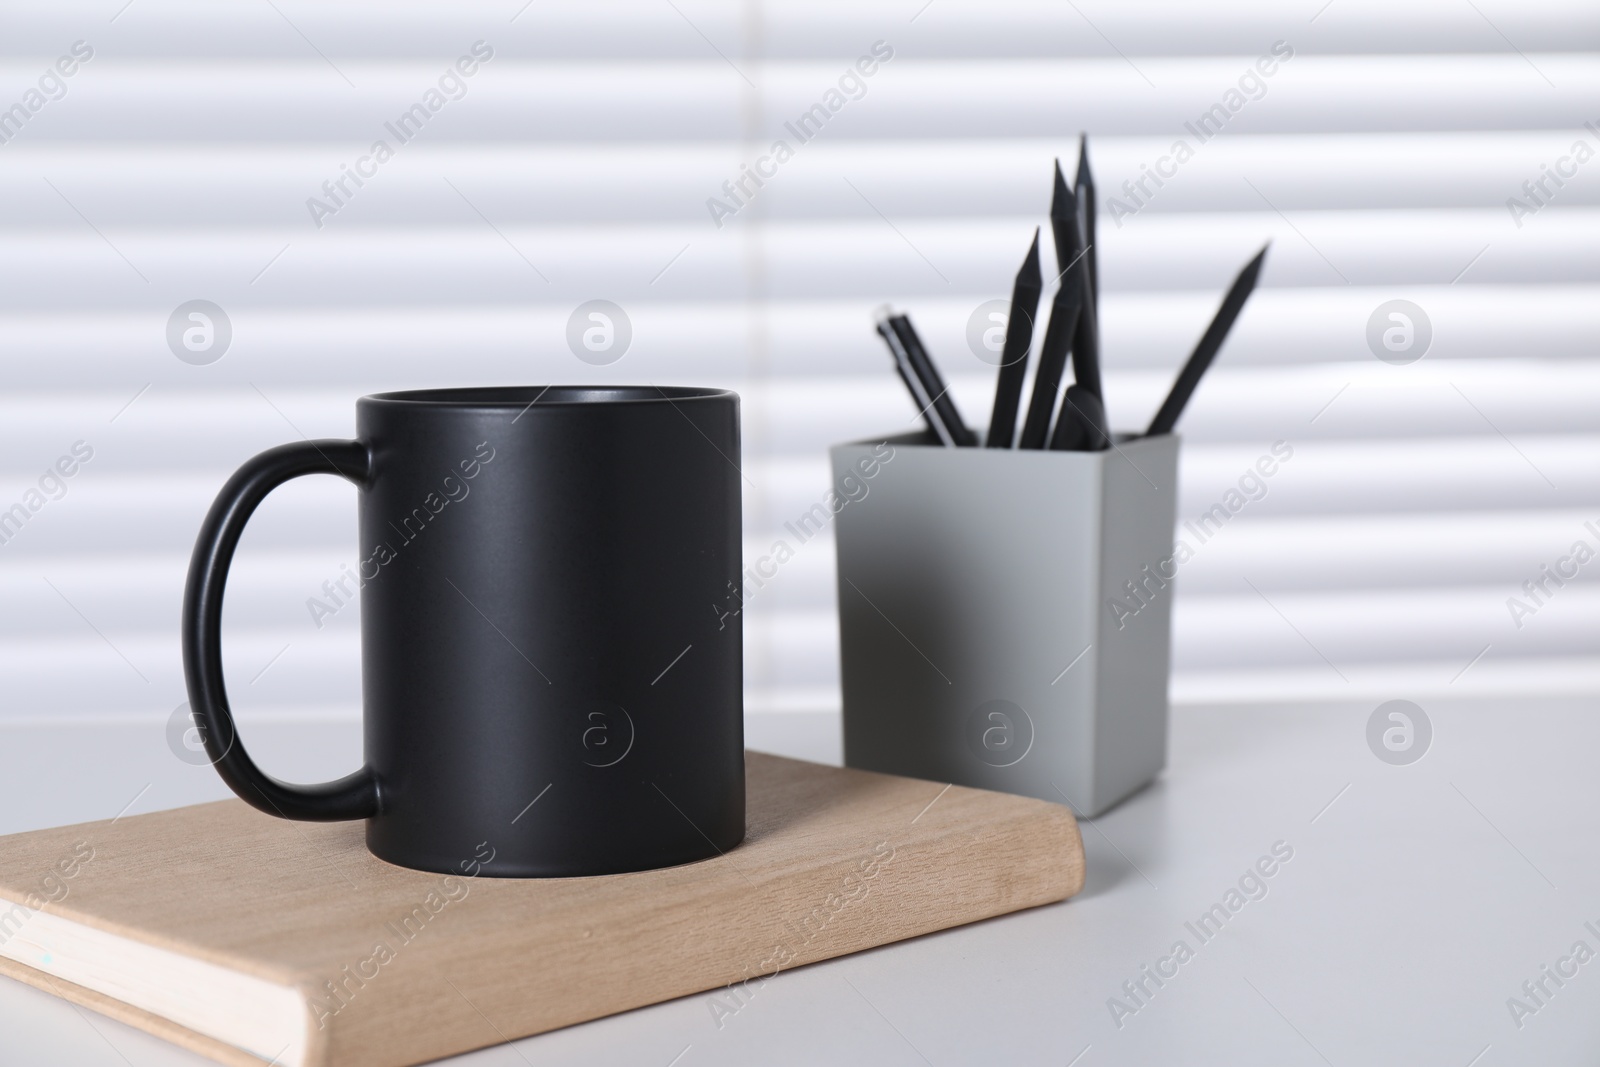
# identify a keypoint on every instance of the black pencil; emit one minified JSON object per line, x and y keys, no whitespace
{"x":902,"y":366}
{"x":1063,"y":228}
{"x":1014,"y":354}
{"x":1064,"y":310}
{"x":932,"y":383}
{"x":1086,"y":345}
{"x":1086,"y":214}
{"x":1206,"y":350}
{"x":1081,"y":426}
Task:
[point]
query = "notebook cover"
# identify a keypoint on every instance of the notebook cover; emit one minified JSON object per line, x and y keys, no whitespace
{"x":835,"y":861}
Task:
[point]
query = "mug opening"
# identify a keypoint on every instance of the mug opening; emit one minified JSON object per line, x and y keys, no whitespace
{"x":519,"y":396}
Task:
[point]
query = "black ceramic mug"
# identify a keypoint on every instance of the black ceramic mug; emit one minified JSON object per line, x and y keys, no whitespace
{"x":550,"y":671}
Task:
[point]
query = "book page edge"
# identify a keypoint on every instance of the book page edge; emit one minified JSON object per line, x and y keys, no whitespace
{"x":46,"y":952}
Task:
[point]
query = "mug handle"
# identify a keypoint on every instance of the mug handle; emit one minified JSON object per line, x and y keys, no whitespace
{"x":355,"y":796}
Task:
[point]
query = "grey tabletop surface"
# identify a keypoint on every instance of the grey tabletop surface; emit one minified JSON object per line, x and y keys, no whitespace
{"x":1423,"y":912}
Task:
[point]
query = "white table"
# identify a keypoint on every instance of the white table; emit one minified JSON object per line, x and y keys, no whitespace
{"x":1418,"y":900}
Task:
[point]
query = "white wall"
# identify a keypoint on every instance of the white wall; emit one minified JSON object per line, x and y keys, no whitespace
{"x":1378,"y":160}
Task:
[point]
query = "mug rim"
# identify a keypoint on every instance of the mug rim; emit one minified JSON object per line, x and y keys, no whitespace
{"x":510,"y":397}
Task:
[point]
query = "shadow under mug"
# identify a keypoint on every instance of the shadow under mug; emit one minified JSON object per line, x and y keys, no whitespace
{"x":550,"y":674}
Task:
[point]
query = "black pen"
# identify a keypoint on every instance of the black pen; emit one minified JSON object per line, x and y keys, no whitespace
{"x":938,"y":393}
{"x":1014,"y":354}
{"x":1206,"y":350}
{"x":1086,"y":345}
{"x":1081,"y":426}
{"x":902,"y":365}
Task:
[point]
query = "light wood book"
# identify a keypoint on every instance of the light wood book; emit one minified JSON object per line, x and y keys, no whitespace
{"x":250,"y":940}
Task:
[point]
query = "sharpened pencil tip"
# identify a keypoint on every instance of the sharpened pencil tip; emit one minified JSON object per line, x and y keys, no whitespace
{"x":1061,"y":199}
{"x":1029,"y":271}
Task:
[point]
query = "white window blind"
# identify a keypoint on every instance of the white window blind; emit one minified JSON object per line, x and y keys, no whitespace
{"x":186,"y":155}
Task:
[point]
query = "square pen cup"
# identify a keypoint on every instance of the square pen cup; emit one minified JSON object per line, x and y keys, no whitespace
{"x":1005,"y":614}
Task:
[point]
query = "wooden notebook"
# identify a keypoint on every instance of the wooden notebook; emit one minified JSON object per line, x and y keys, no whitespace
{"x":251,"y":940}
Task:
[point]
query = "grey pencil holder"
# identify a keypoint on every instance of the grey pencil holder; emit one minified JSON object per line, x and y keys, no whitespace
{"x":1005,"y":615}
